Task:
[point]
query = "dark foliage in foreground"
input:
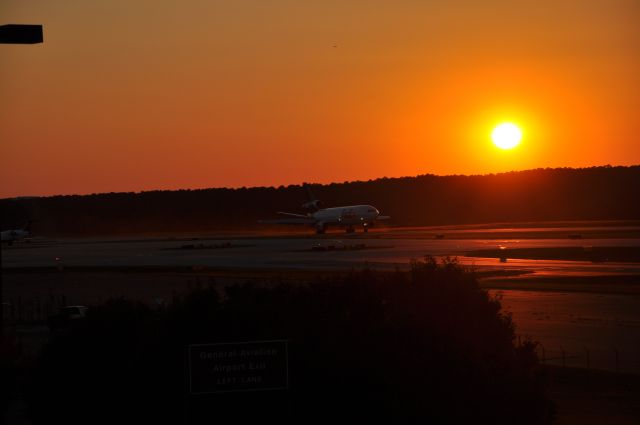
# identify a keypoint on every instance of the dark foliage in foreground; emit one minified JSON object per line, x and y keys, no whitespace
{"x":425,"y":346}
{"x":597,"y":193}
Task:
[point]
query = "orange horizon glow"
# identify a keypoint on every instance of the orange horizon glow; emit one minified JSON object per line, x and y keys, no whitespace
{"x":155,"y":95}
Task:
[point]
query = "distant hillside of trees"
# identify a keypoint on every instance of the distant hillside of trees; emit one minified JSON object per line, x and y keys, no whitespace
{"x":597,"y":193}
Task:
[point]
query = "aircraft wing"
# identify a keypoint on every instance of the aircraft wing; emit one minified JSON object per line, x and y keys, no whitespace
{"x":292,"y":220}
{"x":294,"y":215}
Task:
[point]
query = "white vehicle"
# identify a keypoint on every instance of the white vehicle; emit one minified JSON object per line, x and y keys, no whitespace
{"x":321,"y":218}
{"x":16,"y":235}
{"x":67,"y":316}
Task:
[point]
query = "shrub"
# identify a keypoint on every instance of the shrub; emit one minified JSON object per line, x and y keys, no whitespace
{"x":428,"y":345}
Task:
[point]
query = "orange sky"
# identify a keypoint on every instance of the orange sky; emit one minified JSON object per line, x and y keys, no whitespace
{"x":143,"y":95}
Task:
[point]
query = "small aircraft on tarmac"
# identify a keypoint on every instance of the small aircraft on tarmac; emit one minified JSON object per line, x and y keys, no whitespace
{"x":321,"y":218}
{"x":16,"y":235}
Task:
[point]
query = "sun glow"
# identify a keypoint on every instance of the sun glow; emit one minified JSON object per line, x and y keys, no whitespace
{"x":506,"y":136}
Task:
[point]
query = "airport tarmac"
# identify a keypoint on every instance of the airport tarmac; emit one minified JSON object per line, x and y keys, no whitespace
{"x":577,"y":328}
{"x":332,"y":251}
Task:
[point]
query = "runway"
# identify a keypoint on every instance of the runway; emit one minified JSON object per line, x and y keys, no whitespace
{"x":585,"y":328}
{"x":381,"y":250}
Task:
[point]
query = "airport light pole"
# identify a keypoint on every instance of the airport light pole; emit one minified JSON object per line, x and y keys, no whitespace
{"x":17,"y":34}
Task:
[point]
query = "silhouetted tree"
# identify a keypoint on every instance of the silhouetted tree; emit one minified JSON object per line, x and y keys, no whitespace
{"x":424,"y":346}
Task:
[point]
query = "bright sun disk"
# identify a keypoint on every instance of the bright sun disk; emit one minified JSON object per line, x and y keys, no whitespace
{"x":506,"y":136}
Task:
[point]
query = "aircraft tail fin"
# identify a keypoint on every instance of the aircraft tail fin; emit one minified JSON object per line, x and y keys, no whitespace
{"x":313,"y":203}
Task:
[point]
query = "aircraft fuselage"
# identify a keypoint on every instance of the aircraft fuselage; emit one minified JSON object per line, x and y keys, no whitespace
{"x":348,"y":216}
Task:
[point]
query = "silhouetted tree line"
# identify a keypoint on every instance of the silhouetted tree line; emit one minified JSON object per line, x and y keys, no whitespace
{"x":596,"y":193}
{"x":424,"y":346}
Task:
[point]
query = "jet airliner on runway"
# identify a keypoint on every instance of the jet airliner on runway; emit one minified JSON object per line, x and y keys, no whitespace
{"x":321,"y":218}
{"x":16,"y":235}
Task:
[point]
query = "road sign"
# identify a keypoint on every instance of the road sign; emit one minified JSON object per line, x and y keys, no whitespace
{"x":238,"y":366}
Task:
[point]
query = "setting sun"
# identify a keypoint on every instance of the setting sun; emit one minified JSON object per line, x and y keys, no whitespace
{"x":506,"y":136}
